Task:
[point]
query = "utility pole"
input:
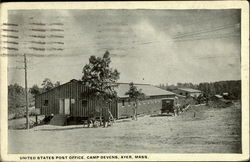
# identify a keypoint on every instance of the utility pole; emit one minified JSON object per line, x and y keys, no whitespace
{"x":13,"y":40}
{"x":26,"y":93}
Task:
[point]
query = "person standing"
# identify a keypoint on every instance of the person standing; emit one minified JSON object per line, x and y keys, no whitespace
{"x":105,"y":115}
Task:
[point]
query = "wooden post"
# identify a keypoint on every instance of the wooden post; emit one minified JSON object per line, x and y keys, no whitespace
{"x":26,"y":93}
{"x":36,"y":120}
{"x":136,"y":109}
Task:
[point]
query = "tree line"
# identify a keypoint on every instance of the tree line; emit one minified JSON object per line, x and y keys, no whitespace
{"x":16,"y":95}
{"x":46,"y":85}
{"x":232,"y":87}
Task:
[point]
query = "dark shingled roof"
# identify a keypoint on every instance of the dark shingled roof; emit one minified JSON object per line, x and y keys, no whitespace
{"x":147,"y":89}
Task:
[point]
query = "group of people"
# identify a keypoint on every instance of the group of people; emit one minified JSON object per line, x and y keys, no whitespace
{"x":105,"y":119}
{"x":178,"y":108}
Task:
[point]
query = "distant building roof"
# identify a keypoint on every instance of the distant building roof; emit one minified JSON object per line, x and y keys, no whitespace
{"x":225,"y":94}
{"x":190,"y":90}
{"x":218,"y":96}
{"x":147,"y":89}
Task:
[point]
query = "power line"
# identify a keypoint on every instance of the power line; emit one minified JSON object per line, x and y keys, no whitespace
{"x":204,"y":31}
{"x":208,"y":37}
{"x":128,"y":46}
{"x":206,"y":19}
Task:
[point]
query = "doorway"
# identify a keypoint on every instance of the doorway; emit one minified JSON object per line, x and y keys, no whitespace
{"x":64,"y":106}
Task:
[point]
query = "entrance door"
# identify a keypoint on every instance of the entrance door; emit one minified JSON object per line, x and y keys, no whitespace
{"x":61,"y":106}
{"x":64,"y":106}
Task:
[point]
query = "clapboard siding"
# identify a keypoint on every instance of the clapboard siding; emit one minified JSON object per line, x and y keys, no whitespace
{"x":72,"y":90}
{"x":152,"y":104}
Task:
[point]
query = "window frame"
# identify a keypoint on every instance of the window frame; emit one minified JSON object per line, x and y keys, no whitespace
{"x":84,"y":102}
{"x":123,"y":103}
{"x":46,"y":102}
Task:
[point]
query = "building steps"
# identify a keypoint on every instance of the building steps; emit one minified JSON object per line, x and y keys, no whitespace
{"x":59,"y":120}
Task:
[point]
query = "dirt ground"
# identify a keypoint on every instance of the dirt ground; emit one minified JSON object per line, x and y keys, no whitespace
{"x":199,"y":130}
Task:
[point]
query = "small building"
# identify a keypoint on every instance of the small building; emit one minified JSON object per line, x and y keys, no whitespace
{"x":72,"y":99}
{"x":187,"y":92}
{"x":226,"y":95}
{"x":219,"y":101}
{"x":217,"y":97}
{"x":157,"y":100}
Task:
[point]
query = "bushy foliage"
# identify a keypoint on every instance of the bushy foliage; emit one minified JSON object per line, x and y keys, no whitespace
{"x":135,"y":95}
{"x":16,"y":100}
{"x":100,"y":77}
{"x":57,"y":83}
{"x":35,"y":90}
{"x":47,"y":84}
{"x":16,"y":97}
{"x":233,"y":88}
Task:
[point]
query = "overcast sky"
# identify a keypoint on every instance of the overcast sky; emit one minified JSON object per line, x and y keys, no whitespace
{"x":146,"y":46}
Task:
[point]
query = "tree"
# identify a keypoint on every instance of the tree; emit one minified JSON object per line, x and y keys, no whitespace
{"x":135,"y":95}
{"x":213,"y":88}
{"x":16,"y":97}
{"x":47,"y":84}
{"x":57,"y":84}
{"x":101,"y":78}
{"x":35,"y":90}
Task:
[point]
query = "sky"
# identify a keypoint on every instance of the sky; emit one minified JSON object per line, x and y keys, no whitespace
{"x":146,"y":46}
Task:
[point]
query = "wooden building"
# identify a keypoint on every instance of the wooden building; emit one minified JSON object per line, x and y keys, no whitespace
{"x":157,"y":100}
{"x":187,"y":92}
{"x":71,"y":99}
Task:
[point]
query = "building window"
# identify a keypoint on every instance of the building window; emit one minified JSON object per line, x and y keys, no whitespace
{"x":84,"y":103}
{"x":73,"y":101}
{"x":83,"y":95}
{"x":46,"y":103}
{"x":123,"y":103}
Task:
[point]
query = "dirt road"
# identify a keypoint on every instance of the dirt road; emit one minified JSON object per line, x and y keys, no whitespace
{"x":199,"y":130}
